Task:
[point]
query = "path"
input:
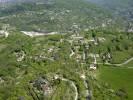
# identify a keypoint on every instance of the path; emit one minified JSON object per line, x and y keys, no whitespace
{"x":88,"y":92}
{"x":126,"y":62}
{"x":73,"y":84}
{"x":72,"y":53}
{"x":121,"y":64}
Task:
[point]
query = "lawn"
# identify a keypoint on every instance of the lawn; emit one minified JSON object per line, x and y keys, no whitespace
{"x":118,"y":78}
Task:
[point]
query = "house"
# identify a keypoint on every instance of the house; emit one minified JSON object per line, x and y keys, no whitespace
{"x":20,"y":55}
{"x":4,"y":33}
{"x":101,"y":39}
{"x":93,"y":66}
{"x":1,"y":80}
{"x":50,"y":49}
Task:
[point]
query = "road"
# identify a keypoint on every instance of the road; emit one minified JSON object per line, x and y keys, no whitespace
{"x":88,"y":91}
{"x":121,"y":64}
{"x":124,"y":63}
{"x":72,"y":53}
{"x":72,"y":84}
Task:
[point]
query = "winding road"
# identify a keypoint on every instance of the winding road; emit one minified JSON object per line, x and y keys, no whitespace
{"x":72,"y":84}
{"x":121,"y":64}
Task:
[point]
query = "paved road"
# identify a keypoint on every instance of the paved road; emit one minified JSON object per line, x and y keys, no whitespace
{"x":124,"y":63}
{"x":121,"y":64}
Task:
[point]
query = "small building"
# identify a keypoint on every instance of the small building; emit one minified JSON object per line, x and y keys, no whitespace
{"x":1,"y":80}
{"x":4,"y":33}
{"x":20,"y":55}
{"x":93,"y":66}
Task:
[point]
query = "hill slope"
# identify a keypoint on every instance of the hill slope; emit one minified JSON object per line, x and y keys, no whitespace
{"x":123,"y":8}
{"x":59,"y":15}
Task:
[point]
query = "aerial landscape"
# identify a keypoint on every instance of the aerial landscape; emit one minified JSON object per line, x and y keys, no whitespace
{"x":66,"y":49}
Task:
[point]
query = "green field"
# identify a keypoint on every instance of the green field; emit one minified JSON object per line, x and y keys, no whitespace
{"x":118,"y":78}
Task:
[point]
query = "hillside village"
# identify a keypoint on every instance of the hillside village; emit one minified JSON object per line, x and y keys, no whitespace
{"x":86,"y":52}
{"x":66,"y":50}
{"x":77,"y":42}
{"x":83,"y":52}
